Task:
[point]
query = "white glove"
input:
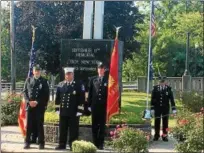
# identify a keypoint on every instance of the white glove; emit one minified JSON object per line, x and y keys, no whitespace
{"x":174,"y":111}
{"x":89,"y":109}
{"x":57,"y":112}
{"x":78,"y":114}
{"x":152,"y":113}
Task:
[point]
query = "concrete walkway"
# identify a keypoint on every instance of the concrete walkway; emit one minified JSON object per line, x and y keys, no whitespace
{"x":12,"y":141}
{"x":161,"y":146}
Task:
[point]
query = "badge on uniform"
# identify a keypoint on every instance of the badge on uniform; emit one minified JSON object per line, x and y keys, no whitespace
{"x":74,"y":92}
{"x":82,"y":88}
{"x":73,"y":83}
{"x":40,"y":86}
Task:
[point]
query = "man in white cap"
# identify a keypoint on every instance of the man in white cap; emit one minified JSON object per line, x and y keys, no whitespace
{"x":70,"y":97}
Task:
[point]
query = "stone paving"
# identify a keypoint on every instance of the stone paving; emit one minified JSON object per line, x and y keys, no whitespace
{"x":12,"y":141}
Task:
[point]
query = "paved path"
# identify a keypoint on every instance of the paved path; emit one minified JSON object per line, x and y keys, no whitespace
{"x":12,"y":141}
{"x":161,"y":146}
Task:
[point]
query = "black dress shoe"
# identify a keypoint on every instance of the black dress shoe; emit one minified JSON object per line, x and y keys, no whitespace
{"x":155,"y":138}
{"x":165,"y":139}
{"x":34,"y":141}
{"x":100,"y":147}
{"x":41,"y":146}
{"x":60,"y":147}
{"x":26,"y":146}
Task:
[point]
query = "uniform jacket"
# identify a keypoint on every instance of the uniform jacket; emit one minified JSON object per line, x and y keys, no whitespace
{"x":161,"y":98}
{"x":70,"y":98}
{"x":36,"y":90}
{"x":97,"y":97}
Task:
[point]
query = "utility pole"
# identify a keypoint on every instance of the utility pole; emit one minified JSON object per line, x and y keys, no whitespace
{"x":186,"y":78}
{"x":12,"y":44}
{"x":187,"y":46}
{"x":0,"y":77}
{"x":187,"y":52}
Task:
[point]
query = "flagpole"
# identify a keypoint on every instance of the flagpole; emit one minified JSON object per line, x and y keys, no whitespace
{"x":0,"y":79}
{"x":150,"y":45}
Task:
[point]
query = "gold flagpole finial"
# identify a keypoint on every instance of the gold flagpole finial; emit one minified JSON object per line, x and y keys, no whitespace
{"x":117,"y":30}
{"x":33,"y":30}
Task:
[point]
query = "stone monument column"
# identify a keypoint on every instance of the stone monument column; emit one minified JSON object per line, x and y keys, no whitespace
{"x":186,"y":83}
{"x":88,"y":20}
{"x":98,"y":19}
{"x":142,"y":83}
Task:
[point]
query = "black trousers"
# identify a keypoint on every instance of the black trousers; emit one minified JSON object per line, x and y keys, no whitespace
{"x":163,"y":114}
{"x":98,"y":127}
{"x":35,"y":118}
{"x":34,"y":133}
{"x":73,"y":124}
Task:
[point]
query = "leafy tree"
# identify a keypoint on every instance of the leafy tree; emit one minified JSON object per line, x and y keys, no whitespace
{"x":58,"y":20}
{"x":54,"y":21}
{"x":127,"y":15}
{"x":5,"y":45}
{"x":169,"y":44}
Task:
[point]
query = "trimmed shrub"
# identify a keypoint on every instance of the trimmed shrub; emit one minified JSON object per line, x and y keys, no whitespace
{"x":83,"y":147}
{"x":125,"y":139}
{"x":192,"y":101}
{"x":51,"y":106}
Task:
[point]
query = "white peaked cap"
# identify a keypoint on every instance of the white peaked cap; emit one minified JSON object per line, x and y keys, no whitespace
{"x":68,"y":69}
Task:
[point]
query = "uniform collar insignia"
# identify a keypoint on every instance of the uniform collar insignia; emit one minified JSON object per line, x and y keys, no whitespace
{"x":72,"y":82}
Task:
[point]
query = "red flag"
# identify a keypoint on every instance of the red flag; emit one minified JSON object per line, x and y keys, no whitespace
{"x":113,"y":86}
{"x":22,"y":118}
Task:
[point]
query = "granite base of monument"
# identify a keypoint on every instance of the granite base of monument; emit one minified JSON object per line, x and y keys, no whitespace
{"x":85,"y":131}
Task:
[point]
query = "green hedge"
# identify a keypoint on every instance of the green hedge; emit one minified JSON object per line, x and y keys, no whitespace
{"x":124,"y":117}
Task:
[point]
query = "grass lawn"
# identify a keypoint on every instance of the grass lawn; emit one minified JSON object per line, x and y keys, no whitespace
{"x":133,"y":105}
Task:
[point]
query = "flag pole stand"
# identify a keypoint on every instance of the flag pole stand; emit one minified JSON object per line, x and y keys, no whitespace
{"x":147,"y":112}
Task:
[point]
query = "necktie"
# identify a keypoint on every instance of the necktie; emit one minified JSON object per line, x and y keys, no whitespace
{"x":100,"y":79}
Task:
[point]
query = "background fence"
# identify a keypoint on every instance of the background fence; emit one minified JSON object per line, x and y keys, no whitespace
{"x":197,"y":84}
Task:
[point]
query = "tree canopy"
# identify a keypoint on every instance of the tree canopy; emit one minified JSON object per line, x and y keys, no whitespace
{"x":173,"y":21}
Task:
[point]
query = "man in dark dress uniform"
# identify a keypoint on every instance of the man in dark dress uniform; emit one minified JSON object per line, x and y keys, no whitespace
{"x":161,"y":96}
{"x":34,"y":134}
{"x":97,"y":101}
{"x":36,"y":94}
{"x":70,"y":97}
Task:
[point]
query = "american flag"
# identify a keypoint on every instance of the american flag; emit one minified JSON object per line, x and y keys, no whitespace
{"x":153,"y":24}
{"x":32,"y":55}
